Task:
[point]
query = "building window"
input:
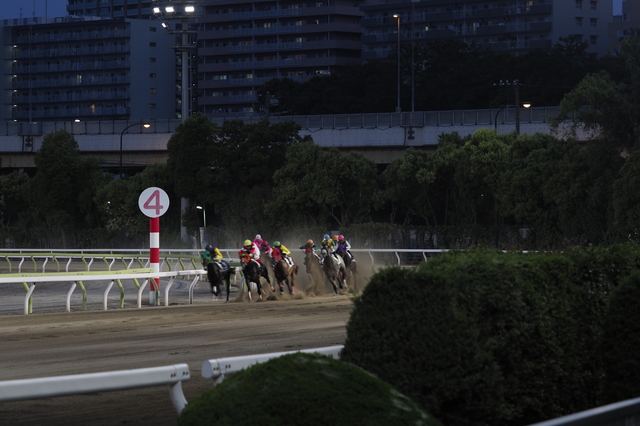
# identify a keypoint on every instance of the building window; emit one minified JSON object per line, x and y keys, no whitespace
{"x":579,"y":21}
{"x":593,"y":39}
{"x":153,"y":29}
{"x":593,"y":22}
{"x":593,"y":4}
{"x":578,"y":4}
{"x":152,"y":106}
{"x":152,"y":75}
{"x":152,"y":59}
{"x":152,"y":44}
{"x":152,"y":90}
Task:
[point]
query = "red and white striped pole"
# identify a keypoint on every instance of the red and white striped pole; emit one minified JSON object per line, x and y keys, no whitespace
{"x":154,"y":258}
{"x":154,"y":202}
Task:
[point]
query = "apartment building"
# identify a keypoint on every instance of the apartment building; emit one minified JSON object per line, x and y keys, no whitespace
{"x":516,"y":26}
{"x":624,"y":25}
{"x":88,"y":69}
{"x":140,"y":9}
{"x":243,"y":44}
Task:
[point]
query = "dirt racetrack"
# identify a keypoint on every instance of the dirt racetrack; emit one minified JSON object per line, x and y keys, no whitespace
{"x":41,"y":345}
{"x":51,"y":342}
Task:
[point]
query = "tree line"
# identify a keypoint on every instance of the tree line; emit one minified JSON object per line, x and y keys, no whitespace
{"x":502,"y":190}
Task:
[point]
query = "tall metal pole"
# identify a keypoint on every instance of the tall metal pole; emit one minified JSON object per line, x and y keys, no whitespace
{"x":186,"y":101}
{"x":398,"y":106}
{"x":516,"y":87}
{"x":413,"y":62}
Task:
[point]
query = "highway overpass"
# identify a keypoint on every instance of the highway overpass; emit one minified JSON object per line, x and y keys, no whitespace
{"x":380,"y":137}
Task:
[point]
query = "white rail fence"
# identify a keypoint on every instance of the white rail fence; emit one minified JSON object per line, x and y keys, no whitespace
{"x":111,"y":278}
{"x":171,"y":375}
{"x":45,"y":387}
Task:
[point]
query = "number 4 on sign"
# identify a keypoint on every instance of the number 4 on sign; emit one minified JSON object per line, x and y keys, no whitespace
{"x":153,"y":202}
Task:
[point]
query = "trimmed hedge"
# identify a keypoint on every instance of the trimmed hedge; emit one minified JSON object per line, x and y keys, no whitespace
{"x":487,"y":338}
{"x":304,"y":389}
{"x":620,"y":346}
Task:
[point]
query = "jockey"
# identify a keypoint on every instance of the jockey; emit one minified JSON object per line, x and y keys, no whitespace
{"x":216,"y":256}
{"x":250,"y":249}
{"x":283,"y":250}
{"x":257,"y":240}
{"x":309,"y":247}
{"x":265,"y":247}
{"x":327,"y":243}
{"x":334,"y":242}
{"x":344,"y":248}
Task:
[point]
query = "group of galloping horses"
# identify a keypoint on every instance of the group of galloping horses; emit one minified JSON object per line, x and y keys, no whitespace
{"x":337,"y":271}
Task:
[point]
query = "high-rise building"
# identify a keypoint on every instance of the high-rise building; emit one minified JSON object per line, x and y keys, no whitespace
{"x":515,"y":26}
{"x":88,"y":69}
{"x":110,"y":8}
{"x":624,"y":25}
{"x":243,"y":44}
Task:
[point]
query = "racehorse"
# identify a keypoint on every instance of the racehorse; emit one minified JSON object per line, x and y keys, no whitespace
{"x":285,"y":272}
{"x":312,"y":265}
{"x":350,"y":268}
{"x":252,"y":272}
{"x":334,"y":269}
{"x":218,"y":276}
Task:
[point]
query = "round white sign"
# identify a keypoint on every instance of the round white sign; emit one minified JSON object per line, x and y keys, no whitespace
{"x":153,"y":202}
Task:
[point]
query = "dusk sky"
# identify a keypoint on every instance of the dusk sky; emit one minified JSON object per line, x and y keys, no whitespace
{"x":56,"y":8}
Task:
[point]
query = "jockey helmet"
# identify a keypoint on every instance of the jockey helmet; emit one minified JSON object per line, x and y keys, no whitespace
{"x":309,"y":241}
{"x":341,"y":237}
{"x":264,"y":243}
{"x":258,"y":237}
{"x":209,"y":247}
{"x":326,"y":237}
{"x":247,"y":242}
{"x":334,"y":238}
{"x":276,"y":243}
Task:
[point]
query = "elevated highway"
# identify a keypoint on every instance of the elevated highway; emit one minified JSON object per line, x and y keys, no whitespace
{"x":379,"y":137}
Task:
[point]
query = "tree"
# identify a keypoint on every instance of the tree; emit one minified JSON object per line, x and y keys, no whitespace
{"x":60,"y":190}
{"x":478,"y":172}
{"x":121,"y":220}
{"x":315,"y":182}
{"x":606,"y":107}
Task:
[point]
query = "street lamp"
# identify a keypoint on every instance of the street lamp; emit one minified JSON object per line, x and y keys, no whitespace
{"x":145,"y":125}
{"x":516,"y":87}
{"x":495,"y":120}
{"x":398,"y":107}
{"x":204,"y":222}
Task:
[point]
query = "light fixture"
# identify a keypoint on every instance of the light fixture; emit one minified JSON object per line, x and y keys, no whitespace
{"x":189,"y":9}
{"x":165,"y":25}
{"x":526,"y":105}
{"x":169,"y":9}
{"x":156,"y":10}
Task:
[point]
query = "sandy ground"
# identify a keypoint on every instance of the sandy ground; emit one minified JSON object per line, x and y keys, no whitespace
{"x":52,"y":342}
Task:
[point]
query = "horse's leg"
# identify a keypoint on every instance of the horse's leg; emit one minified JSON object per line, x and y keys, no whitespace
{"x":228,"y":281}
{"x":265,"y":273}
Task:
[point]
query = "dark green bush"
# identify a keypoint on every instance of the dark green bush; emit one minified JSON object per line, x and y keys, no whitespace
{"x":487,"y":338}
{"x":303,"y":389}
{"x":621,"y":342}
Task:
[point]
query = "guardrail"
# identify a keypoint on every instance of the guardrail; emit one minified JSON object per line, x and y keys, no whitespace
{"x":106,"y":260}
{"x":171,"y":375}
{"x":217,"y":369}
{"x":113,"y":278}
{"x":619,"y":413}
